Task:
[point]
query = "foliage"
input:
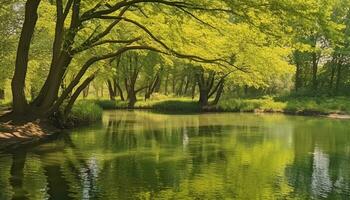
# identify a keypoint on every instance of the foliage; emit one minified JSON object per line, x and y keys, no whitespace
{"x":84,"y":112}
{"x":142,"y":49}
{"x":292,"y":105}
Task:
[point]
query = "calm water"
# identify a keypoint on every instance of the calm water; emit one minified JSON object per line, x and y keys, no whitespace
{"x":142,"y":155}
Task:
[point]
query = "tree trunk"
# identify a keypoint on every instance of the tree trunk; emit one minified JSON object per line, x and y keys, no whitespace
{"x":314,"y":71}
{"x":166,"y":84}
{"x":298,"y":79}
{"x":337,"y":84}
{"x":203,"y":90}
{"x":158,"y":85}
{"x":18,"y":81}
{"x":193,"y":90}
{"x":131,"y":98}
{"x":219,"y":93}
{"x":120,"y":91}
{"x":2,"y":94}
{"x":86,"y":91}
{"x":76,"y":94}
{"x":203,"y":97}
{"x":62,"y":55}
{"x":174,"y":85}
{"x":111,"y":90}
{"x":179,"y":90}
{"x":186,"y":85}
{"x":332,"y":79}
{"x":246,"y":90}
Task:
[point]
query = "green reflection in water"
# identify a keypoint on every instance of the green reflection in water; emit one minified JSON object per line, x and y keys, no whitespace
{"x":143,"y":155}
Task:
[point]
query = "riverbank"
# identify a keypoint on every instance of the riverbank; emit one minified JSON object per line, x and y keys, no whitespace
{"x":19,"y":134}
{"x":86,"y":112}
{"x":15,"y":135}
{"x":338,"y":108}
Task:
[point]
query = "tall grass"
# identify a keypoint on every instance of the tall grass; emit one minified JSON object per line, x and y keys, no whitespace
{"x":292,"y":105}
{"x":168,"y":105}
{"x":251,"y":105}
{"x":84,"y":112}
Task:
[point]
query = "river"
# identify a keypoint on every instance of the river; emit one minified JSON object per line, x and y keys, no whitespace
{"x":145,"y":155}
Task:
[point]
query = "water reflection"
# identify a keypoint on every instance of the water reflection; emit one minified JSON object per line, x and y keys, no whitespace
{"x":142,"y":155}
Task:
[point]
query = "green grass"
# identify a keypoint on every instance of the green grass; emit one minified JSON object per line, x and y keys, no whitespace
{"x":304,"y":105}
{"x":251,"y":105}
{"x":166,"y":105}
{"x":321,"y":105}
{"x":84,"y":112}
{"x":291,"y":105}
{"x":88,"y":111}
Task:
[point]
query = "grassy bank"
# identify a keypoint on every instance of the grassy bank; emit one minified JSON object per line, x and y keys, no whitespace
{"x":84,"y":113}
{"x":301,"y":106}
{"x":170,"y":105}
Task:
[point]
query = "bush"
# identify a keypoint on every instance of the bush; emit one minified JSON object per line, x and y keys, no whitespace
{"x":110,"y":105}
{"x":84,"y":112}
{"x":177,"y":106}
{"x":288,"y":104}
{"x":250,"y":105}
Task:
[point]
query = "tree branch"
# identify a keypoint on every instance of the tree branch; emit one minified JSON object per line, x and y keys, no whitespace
{"x":77,"y":93}
{"x":218,"y":61}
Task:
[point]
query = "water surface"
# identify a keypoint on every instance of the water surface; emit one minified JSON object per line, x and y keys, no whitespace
{"x":143,"y":155}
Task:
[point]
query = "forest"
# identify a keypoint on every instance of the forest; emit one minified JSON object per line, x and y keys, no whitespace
{"x":220,"y":55}
{"x":174,"y":99}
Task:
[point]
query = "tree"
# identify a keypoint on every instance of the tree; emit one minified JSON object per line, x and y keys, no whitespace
{"x":10,"y":16}
{"x":82,"y":29}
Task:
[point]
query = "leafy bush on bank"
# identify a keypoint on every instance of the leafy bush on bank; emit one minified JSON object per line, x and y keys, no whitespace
{"x":91,"y":110}
{"x":84,"y":112}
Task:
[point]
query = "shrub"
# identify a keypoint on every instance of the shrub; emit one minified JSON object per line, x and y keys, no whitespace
{"x":188,"y":106}
{"x":84,"y":112}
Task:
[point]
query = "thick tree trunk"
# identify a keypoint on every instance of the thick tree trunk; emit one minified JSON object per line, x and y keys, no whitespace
{"x":203,"y":97}
{"x":18,"y":81}
{"x":132,"y":99}
{"x":203,"y":90}
{"x":62,"y":54}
